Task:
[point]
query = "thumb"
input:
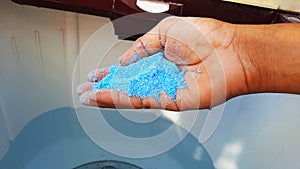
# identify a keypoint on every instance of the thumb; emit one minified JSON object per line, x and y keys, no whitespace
{"x":173,"y":36}
{"x":146,"y":45}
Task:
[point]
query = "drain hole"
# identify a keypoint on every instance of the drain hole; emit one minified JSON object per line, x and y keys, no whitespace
{"x":109,"y":167}
{"x":108,"y":164}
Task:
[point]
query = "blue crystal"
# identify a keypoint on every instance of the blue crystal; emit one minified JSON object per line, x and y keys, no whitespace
{"x":148,"y":77}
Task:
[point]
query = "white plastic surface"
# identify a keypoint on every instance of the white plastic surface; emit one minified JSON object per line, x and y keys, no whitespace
{"x":38,"y":49}
{"x":258,"y":131}
{"x":4,"y":142}
{"x":31,"y":46}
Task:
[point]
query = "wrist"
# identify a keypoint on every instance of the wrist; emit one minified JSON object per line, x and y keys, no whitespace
{"x":270,"y":56}
{"x":250,"y":48}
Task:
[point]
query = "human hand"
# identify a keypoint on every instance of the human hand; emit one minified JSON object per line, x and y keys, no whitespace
{"x":192,"y":44}
{"x":234,"y":60}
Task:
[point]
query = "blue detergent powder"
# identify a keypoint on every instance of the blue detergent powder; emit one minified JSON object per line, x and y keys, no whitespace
{"x":148,"y":77}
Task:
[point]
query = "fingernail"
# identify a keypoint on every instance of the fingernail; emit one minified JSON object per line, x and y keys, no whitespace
{"x":84,"y":99}
{"x":94,"y":84}
{"x":92,"y":95}
{"x":91,"y":76}
{"x":79,"y":89}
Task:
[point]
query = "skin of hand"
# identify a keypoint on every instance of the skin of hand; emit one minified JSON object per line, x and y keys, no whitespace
{"x":234,"y":60}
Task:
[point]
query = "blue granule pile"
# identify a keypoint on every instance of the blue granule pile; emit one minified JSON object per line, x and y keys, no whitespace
{"x":148,"y":77}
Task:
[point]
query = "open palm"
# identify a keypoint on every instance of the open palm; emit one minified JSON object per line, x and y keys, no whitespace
{"x":205,"y":48}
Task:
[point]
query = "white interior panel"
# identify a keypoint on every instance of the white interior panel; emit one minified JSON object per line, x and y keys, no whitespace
{"x":4,"y":142}
{"x":38,"y":50}
{"x":32,"y":62}
{"x":258,"y":131}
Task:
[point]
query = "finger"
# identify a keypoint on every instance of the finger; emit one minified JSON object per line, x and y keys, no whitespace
{"x":82,"y":88}
{"x":179,"y":45}
{"x":112,"y":99}
{"x":97,"y":74}
{"x":86,"y":101}
{"x":150,"y":103}
{"x":197,"y":94}
{"x":178,"y":52}
{"x":118,"y":99}
{"x":146,"y":45}
{"x":167,"y":103}
{"x":184,"y":41}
